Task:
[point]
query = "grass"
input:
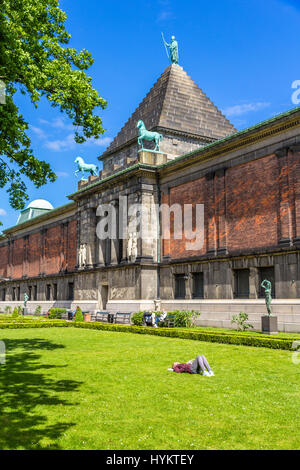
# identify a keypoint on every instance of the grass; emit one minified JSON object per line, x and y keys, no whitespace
{"x":83,"y":389}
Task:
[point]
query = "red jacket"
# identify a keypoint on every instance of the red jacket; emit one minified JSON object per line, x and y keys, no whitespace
{"x":180,"y":368}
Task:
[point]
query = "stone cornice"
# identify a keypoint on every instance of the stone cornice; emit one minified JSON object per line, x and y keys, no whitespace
{"x":237,"y":141}
{"x":139,"y":169}
{"x":162,"y":130}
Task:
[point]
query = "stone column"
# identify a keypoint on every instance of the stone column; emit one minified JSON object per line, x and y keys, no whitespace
{"x":294,"y":156}
{"x":88,"y":234}
{"x":211,"y":215}
{"x":43,"y":234}
{"x":147,"y":242}
{"x":166,"y":242}
{"x":114,"y":245}
{"x":253,"y":283}
{"x":220,"y":198}
{"x":284,"y":216}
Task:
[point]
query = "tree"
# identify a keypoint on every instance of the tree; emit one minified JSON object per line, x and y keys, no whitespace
{"x":35,"y":60}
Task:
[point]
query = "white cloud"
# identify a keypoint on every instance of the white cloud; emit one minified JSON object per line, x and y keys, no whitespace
{"x":68,"y":143}
{"x":57,"y":123}
{"x":103,"y":142}
{"x":166,"y":12}
{"x":3,"y":212}
{"x":61,"y":145}
{"x":62,"y":174}
{"x":39,"y":132}
{"x":240,"y":109}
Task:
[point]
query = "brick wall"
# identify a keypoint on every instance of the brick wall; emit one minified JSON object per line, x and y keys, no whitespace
{"x":250,"y":206}
{"x":3,"y":260}
{"x":48,"y":251}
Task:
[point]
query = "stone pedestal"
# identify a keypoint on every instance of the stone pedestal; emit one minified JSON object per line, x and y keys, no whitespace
{"x":25,"y":311}
{"x":269,"y":325}
{"x":150,"y":157}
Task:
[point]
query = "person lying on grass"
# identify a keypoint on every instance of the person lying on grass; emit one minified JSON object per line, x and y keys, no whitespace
{"x":195,"y":366}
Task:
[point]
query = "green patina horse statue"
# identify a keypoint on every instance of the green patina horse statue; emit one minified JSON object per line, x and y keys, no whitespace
{"x":147,"y":135}
{"x":85,"y":168}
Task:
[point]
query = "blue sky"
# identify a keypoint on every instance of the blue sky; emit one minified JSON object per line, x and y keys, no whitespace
{"x":244,"y":54}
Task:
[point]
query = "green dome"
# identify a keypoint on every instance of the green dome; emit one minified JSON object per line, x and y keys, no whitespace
{"x":34,"y":209}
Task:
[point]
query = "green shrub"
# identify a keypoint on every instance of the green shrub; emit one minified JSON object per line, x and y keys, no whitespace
{"x":38,"y":310}
{"x":184,"y":318}
{"x":21,"y":323}
{"x":8,"y":309}
{"x":138,"y":318}
{"x":241,"y":321}
{"x":78,"y":315}
{"x":20,"y":310}
{"x":56,"y":313}
{"x":263,"y":341}
{"x":15,"y":313}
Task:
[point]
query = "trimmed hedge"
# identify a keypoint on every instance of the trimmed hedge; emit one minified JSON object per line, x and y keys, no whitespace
{"x":263,"y":341}
{"x":34,"y":324}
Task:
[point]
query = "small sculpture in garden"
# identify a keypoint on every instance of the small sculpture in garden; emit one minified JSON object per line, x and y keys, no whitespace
{"x":148,"y":135}
{"x":268,"y":291}
{"x":85,"y":168}
{"x":26,"y":298}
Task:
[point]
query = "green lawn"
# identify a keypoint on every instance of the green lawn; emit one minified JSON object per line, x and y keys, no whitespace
{"x":67,"y":388}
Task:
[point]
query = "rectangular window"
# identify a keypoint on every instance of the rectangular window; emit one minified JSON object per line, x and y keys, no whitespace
{"x":30,"y":293}
{"x":35,"y":293}
{"x":48,"y":292}
{"x":241,"y":280}
{"x":13,"y":294}
{"x":71,"y":291}
{"x":198,"y":286}
{"x":3,"y":295}
{"x":54,"y":291}
{"x":179,"y":286}
{"x":18,"y":294}
{"x":107,"y":251}
{"x":269,"y":275}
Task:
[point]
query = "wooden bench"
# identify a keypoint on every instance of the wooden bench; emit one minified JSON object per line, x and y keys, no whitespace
{"x":100,"y":316}
{"x":123,"y":317}
{"x":169,"y":321}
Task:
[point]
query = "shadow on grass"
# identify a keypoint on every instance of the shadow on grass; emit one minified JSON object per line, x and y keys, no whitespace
{"x":23,"y":387}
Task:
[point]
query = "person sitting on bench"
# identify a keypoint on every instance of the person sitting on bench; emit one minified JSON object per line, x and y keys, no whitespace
{"x":195,"y":366}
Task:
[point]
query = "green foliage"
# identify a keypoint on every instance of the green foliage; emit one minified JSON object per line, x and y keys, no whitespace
{"x":56,"y":313}
{"x":184,"y":318}
{"x":241,"y":321}
{"x":137,"y":318}
{"x":257,"y":340}
{"x":8,"y":309}
{"x":21,"y":323}
{"x":78,"y":315}
{"x":15,"y":313}
{"x":38,"y":310}
{"x":57,"y":401}
{"x":20,"y":309}
{"x":36,"y":61}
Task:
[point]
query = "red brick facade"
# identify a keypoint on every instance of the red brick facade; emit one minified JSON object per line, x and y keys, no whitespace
{"x":48,"y":251}
{"x":250,"y":206}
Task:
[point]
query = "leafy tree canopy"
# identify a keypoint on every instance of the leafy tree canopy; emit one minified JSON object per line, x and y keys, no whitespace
{"x":35,"y":60}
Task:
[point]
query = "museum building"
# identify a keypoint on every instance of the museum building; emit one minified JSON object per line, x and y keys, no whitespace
{"x":248,"y":183}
